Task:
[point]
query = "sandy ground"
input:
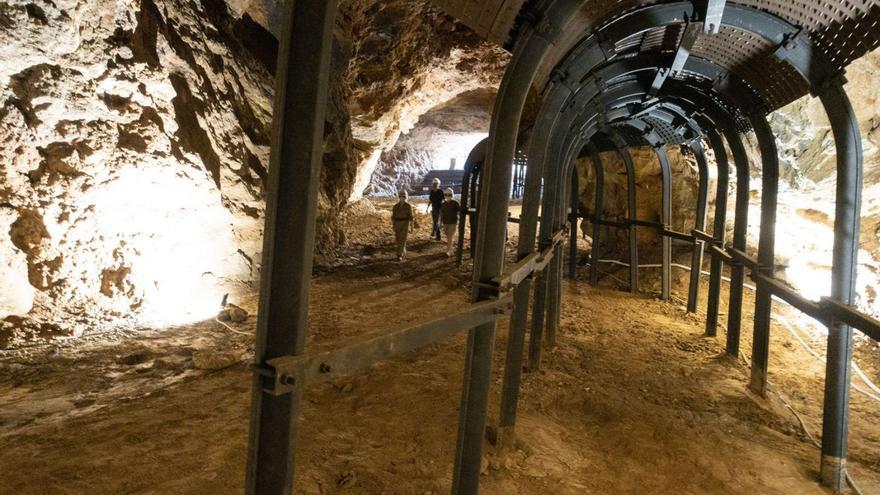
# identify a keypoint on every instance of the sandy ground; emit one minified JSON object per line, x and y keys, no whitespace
{"x":634,"y":399}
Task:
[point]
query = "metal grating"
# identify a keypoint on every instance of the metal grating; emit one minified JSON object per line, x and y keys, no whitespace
{"x":845,"y":29}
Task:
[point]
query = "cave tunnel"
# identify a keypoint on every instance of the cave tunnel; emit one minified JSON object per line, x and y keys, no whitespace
{"x":667,"y":247}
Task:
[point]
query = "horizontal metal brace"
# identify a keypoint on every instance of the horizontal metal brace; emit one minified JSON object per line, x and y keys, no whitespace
{"x":717,"y":250}
{"x":783,"y":291}
{"x":677,"y":235}
{"x":646,"y":223}
{"x":838,"y":311}
{"x":286,"y":373}
{"x":703,"y":236}
{"x":529,"y":265}
{"x":742,"y":258}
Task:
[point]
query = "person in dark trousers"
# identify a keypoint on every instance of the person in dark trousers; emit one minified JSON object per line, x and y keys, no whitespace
{"x":435,"y":200}
{"x":449,"y":217}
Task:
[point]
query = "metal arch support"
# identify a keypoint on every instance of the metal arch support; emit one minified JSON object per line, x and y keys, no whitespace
{"x":719,"y":229}
{"x":740,"y":231}
{"x":597,"y":213}
{"x":288,"y":244}
{"x":575,"y":209}
{"x":766,"y":254}
{"x":531,"y":49}
{"x":847,"y":139}
{"x":468,"y":195}
{"x":633,"y":214}
{"x":700,"y":224}
{"x":665,"y":219}
{"x":528,"y":227}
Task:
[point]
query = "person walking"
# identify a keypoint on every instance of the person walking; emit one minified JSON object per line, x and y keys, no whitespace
{"x":449,"y":211}
{"x":435,"y":200}
{"x":402,"y":219}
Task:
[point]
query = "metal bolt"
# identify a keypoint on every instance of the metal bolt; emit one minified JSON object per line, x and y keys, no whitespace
{"x":288,"y":380}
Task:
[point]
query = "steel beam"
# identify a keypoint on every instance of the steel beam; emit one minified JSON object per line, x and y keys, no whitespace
{"x":740,"y":231}
{"x":468,"y":185}
{"x":700,"y":224}
{"x":288,"y":243}
{"x":532,"y":47}
{"x":718,"y":231}
{"x":665,"y":220}
{"x":597,"y":213}
{"x":633,"y":214}
{"x":766,"y":254}
{"x":575,"y":208}
{"x":847,"y":139}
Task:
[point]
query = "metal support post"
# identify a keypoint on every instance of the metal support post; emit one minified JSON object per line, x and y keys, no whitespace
{"x":665,"y":219}
{"x":718,"y":231}
{"x":288,"y":243}
{"x":740,"y":230}
{"x":766,"y":253}
{"x":495,"y":180}
{"x":575,"y":210}
{"x":468,"y":184}
{"x":597,"y":213}
{"x":700,"y":224}
{"x":528,"y":228}
{"x":847,"y":139}
{"x":633,"y":214}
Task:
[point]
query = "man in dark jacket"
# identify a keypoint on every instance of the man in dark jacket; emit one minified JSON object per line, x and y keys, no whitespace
{"x":435,"y":200}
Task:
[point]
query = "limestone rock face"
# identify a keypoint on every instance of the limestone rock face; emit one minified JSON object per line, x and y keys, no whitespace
{"x":448,"y":131}
{"x":135,"y":143}
{"x":648,"y":195}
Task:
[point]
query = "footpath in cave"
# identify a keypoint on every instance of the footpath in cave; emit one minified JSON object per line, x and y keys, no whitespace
{"x":633,"y":396}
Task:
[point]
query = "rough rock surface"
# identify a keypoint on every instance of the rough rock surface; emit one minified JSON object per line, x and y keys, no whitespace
{"x":447,"y":131}
{"x":648,"y":195}
{"x":135,"y":142}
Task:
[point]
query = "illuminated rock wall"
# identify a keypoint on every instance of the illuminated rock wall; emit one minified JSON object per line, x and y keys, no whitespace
{"x":135,"y":144}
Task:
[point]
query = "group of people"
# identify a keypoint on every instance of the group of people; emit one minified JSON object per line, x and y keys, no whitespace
{"x":444,"y":214}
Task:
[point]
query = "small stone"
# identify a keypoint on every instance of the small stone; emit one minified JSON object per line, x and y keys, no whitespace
{"x":208,"y":359}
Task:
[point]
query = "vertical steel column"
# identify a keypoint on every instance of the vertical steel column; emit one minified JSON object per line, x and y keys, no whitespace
{"x":554,"y":280}
{"x":766,"y":253}
{"x":700,"y":224}
{"x":575,"y":209}
{"x":665,"y":219}
{"x":463,"y":215}
{"x":528,"y":228}
{"x":476,"y":155}
{"x":549,"y":206}
{"x":719,"y":229}
{"x":288,"y":243}
{"x":740,"y":231}
{"x":475,"y":205}
{"x":495,"y":183}
{"x":597,"y":213}
{"x":633,"y":215}
{"x":847,"y":139}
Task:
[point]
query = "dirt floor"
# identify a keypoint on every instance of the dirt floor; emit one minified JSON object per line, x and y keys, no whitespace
{"x":634,"y":399}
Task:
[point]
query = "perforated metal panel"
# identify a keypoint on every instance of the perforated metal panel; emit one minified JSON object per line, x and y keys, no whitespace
{"x":846,"y":29}
{"x":843,"y":29}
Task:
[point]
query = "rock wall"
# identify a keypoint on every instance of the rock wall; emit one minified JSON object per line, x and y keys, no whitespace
{"x":648,"y":196}
{"x":449,"y":130}
{"x":135,"y":143}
